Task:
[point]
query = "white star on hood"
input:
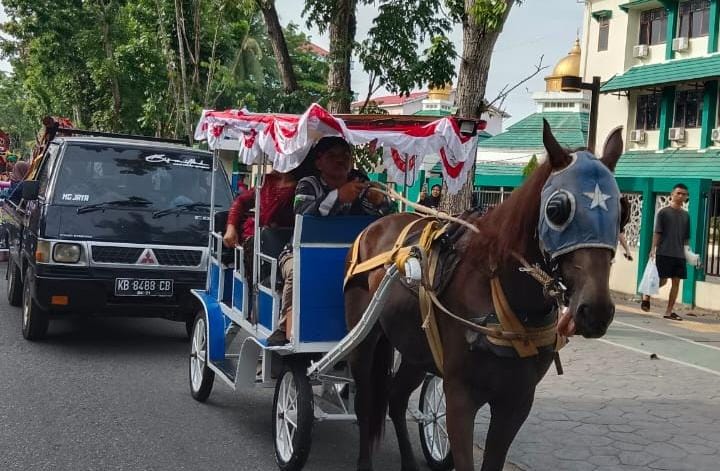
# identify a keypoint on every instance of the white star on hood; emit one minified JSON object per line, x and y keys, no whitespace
{"x":597,"y":198}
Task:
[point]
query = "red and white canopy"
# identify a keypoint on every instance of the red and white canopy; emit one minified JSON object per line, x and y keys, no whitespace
{"x":286,"y":140}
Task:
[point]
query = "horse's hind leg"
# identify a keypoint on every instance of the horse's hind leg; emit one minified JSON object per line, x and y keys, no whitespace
{"x":406,"y":380}
{"x":507,"y":416}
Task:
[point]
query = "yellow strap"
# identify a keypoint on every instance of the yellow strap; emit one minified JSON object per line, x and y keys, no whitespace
{"x":427,"y":310}
{"x":509,"y":321}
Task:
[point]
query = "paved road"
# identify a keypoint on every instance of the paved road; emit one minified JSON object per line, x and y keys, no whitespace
{"x":111,"y":394}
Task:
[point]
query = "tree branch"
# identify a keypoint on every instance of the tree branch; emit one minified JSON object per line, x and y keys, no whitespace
{"x":507,"y":89}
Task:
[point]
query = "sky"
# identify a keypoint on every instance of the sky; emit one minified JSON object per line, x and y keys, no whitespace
{"x":535,"y":28}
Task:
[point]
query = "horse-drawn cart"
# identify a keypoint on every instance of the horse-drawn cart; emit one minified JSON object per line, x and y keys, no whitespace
{"x":310,"y":375}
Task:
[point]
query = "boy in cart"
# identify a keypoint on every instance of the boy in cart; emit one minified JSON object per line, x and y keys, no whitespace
{"x":338,"y":190}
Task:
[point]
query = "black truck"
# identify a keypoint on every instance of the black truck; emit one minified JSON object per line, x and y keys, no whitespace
{"x":111,"y":226}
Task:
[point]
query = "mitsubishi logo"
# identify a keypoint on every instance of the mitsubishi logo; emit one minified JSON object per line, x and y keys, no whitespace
{"x":147,"y":258}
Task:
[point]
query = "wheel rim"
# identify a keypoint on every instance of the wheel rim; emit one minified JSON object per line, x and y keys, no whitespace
{"x":198,"y":355}
{"x":435,"y":428}
{"x":286,"y":416}
{"x":26,"y":307}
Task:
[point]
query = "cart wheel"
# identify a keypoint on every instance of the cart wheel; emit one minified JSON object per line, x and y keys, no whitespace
{"x":292,"y":417}
{"x":14,"y":284}
{"x":34,"y":320}
{"x":433,"y":429}
{"x":201,"y":376}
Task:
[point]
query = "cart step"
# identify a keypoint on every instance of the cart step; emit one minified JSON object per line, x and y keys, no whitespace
{"x":228,"y":367}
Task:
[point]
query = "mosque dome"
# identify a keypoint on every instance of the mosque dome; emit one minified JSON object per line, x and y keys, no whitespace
{"x":442,"y":94}
{"x":568,"y":66}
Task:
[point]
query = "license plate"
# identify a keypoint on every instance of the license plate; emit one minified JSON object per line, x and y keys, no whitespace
{"x":143,"y":287}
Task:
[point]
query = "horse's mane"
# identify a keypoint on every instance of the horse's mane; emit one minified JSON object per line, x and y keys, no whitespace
{"x":511,"y":226}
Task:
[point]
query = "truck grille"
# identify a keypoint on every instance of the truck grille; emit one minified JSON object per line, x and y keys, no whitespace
{"x":178,"y":258}
{"x":111,"y":254}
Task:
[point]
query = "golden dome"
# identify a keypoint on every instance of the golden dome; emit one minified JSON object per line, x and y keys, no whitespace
{"x":567,"y":66}
{"x":440,"y":93}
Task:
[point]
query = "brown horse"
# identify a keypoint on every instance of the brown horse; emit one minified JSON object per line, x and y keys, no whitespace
{"x":476,"y":376}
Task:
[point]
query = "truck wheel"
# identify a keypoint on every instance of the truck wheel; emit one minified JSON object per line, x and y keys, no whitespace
{"x":433,"y":427}
{"x":201,"y":376}
{"x":293,"y":416}
{"x":189,"y":328}
{"x":14,"y":284}
{"x":34,"y":320}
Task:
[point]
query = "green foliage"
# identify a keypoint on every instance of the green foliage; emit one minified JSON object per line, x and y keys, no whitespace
{"x":530,"y":166}
{"x":115,"y":64}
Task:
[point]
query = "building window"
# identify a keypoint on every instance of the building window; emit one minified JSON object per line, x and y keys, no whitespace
{"x":648,"y":110}
{"x":688,"y":109}
{"x":603,"y":34}
{"x":694,"y":18}
{"x":653,"y":26}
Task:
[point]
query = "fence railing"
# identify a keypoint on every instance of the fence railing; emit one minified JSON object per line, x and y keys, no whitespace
{"x":712,"y":253}
{"x":487,"y":198}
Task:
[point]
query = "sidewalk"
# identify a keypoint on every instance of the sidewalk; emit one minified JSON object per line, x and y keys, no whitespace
{"x":617,"y":409}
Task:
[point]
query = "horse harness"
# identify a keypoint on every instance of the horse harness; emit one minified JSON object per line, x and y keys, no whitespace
{"x":433,"y":248}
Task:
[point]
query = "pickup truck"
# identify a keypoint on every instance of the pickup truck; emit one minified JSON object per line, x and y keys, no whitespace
{"x":111,"y":227}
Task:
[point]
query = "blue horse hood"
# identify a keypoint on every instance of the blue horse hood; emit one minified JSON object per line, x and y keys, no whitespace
{"x":594,"y":207}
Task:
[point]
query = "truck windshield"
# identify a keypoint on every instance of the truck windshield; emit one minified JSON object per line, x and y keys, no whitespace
{"x":96,"y":174}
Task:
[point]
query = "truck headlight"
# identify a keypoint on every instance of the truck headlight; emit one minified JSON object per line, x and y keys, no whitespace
{"x":66,"y":253}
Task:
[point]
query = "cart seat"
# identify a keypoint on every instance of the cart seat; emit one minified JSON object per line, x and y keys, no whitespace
{"x":274,"y":239}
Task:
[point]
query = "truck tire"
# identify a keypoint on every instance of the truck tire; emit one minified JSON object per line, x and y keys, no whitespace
{"x":14,"y":284}
{"x":34,"y":320}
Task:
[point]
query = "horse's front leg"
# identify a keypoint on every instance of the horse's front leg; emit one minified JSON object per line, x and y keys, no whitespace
{"x":461,"y":409}
{"x":406,"y":380}
{"x":506,"y":418}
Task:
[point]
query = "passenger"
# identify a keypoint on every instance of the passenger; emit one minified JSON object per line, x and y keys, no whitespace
{"x":337,"y":190}
{"x":19,"y":172}
{"x":276,"y":203}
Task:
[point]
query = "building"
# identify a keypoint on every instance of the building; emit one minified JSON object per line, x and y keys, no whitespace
{"x":659,"y":64}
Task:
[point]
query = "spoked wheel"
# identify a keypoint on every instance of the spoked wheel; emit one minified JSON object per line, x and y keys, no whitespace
{"x":433,"y":429}
{"x":34,"y":320}
{"x":292,"y":418}
{"x":14,"y":284}
{"x":201,"y":376}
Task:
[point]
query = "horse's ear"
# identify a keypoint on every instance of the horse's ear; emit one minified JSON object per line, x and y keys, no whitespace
{"x":613,"y":149}
{"x":557,"y":155}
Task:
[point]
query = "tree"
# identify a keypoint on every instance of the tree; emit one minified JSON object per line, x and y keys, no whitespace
{"x":279,"y":45}
{"x":482,"y":21}
{"x":530,"y":167}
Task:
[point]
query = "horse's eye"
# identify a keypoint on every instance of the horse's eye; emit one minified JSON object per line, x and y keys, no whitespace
{"x":560,"y":209}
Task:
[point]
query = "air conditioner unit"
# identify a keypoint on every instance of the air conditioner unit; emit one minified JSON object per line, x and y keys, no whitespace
{"x":677,"y":134}
{"x":715,"y":136}
{"x":680,"y":44}
{"x":637,"y":135}
{"x":640,"y":51}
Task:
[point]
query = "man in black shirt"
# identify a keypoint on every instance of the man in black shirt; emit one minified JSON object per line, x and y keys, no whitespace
{"x":672,"y":233}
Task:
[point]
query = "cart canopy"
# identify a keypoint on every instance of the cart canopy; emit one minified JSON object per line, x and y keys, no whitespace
{"x":286,"y":139}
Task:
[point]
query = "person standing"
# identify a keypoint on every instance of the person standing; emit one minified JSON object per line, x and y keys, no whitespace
{"x":672,"y":233}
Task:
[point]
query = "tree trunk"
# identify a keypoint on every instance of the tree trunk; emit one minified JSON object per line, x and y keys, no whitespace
{"x":478,"y":45}
{"x":342,"y":36}
{"x":179,"y":26}
{"x":277,"y":39}
{"x":110,"y":58}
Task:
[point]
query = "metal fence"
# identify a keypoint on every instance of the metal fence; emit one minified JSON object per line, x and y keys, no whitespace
{"x":487,"y":198}
{"x":712,"y":254}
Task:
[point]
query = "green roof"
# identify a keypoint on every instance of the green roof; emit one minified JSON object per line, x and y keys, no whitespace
{"x":678,"y":70}
{"x":678,"y":163}
{"x":570,"y":129}
{"x":432,"y":113}
{"x":637,"y":4}
{"x":496,"y":169}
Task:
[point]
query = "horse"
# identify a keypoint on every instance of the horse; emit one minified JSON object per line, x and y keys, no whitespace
{"x":570,"y":195}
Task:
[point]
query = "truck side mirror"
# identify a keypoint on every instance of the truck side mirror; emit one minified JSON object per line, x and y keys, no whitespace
{"x":30,"y":190}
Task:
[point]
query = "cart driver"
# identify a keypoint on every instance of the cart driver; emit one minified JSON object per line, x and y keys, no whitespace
{"x":338,"y":190}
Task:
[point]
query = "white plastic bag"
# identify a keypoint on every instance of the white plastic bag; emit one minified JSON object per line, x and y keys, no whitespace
{"x":691,"y":257}
{"x":650,"y":283}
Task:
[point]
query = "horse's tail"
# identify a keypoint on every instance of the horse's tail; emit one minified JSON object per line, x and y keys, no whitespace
{"x":381,"y":376}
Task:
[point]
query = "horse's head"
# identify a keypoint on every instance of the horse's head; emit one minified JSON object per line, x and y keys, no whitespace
{"x":578,"y":230}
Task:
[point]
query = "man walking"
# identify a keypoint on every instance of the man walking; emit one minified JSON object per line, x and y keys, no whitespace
{"x":672,"y":232}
